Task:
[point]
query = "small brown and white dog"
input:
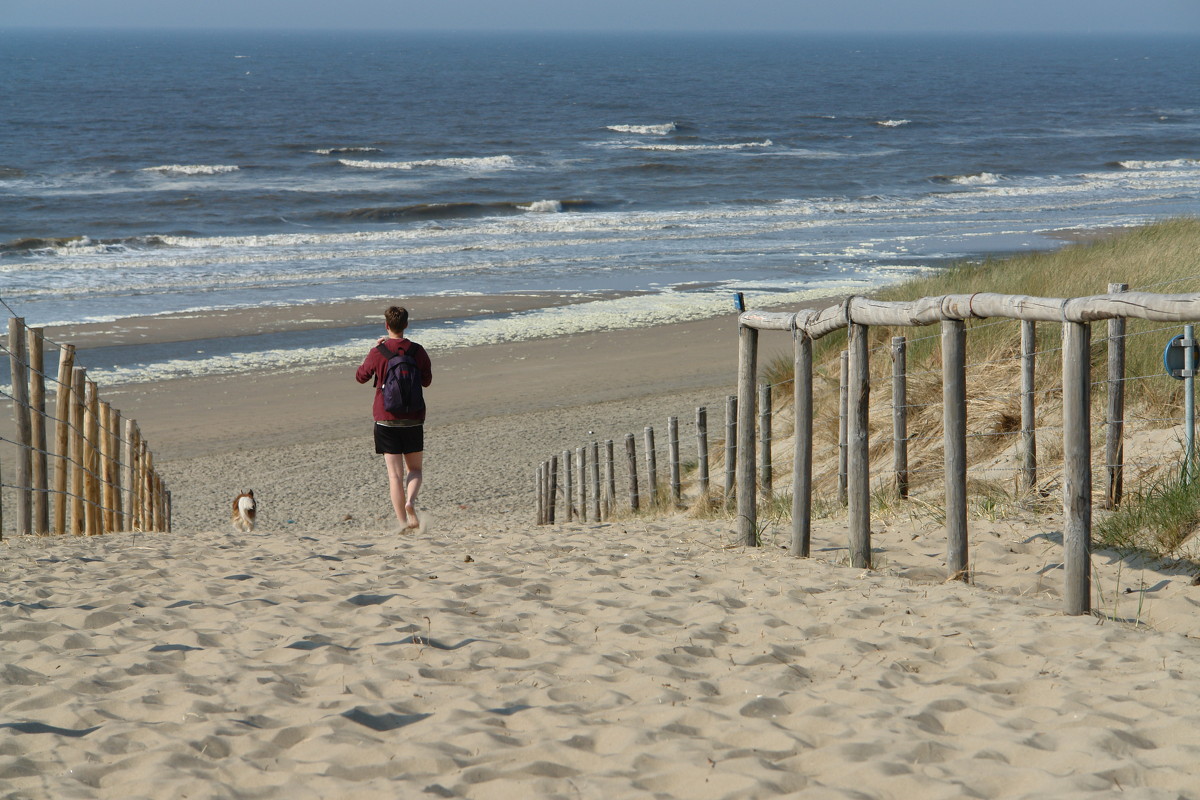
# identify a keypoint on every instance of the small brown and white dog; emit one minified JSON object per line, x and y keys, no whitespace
{"x":244,"y":509}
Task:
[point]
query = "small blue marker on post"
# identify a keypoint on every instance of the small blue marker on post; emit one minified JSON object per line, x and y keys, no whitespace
{"x":739,"y":302}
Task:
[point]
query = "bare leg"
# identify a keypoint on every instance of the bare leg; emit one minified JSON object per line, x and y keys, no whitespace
{"x":395,"y":468}
{"x":413,"y":462}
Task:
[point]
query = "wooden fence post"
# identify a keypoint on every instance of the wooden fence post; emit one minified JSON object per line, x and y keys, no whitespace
{"x":1028,"y":411}
{"x":18,"y":359}
{"x":62,"y":430}
{"x":673,"y":458}
{"x":843,"y":411}
{"x":610,"y":476}
{"x":651,"y":468}
{"x":128,"y":457}
{"x":552,"y":490}
{"x":595,"y":467}
{"x":568,"y":488}
{"x":747,"y":491}
{"x":1077,"y":466}
{"x":117,"y":473}
{"x":900,"y":414}
{"x":539,"y":485}
{"x":1114,"y":445}
{"x":631,"y":454}
{"x":858,"y":465}
{"x":954,"y":437}
{"x":78,"y":406}
{"x":106,"y":483}
{"x":581,"y":472}
{"x":37,"y":403}
{"x":702,"y":451}
{"x":765,"y":467}
{"x":802,"y":457}
{"x":730,"y":448}
{"x":91,"y":461}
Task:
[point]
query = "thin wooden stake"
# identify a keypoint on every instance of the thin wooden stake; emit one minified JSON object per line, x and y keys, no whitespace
{"x":62,"y":438}
{"x":610,"y":479}
{"x":78,"y":409}
{"x":802,"y":454}
{"x":1028,"y":410}
{"x":37,"y":421}
{"x":1114,"y":445}
{"x":954,"y":433}
{"x":673,"y":458}
{"x":631,"y":454}
{"x":651,"y":468}
{"x":730,"y":448}
{"x":765,"y":467}
{"x":18,"y":359}
{"x":568,"y":488}
{"x":91,"y":462}
{"x":595,"y":467}
{"x":702,"y":451}
{"x":843,"y":412}
{"x":581,"y":471}
{"x":552,"y":491}
{"x":129,"y":457}
{"x":900,"y":414}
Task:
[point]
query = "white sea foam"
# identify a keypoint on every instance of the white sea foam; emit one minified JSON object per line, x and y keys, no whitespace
{"x":543,"y":207}
{"x":192,"y":169}
{"x":699,"y":147}
{"x":1172,"y":163}
{"x":892,"y":123}
{"x":328,"y":151}
{"x":645,"y":130}
{"x":482,"y":163}
{"x":978,"y":179}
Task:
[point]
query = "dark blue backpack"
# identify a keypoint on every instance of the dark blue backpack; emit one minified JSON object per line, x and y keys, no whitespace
{"x":401,"y":382}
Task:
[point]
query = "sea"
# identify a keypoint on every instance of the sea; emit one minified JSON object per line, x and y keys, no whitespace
{"x":149,"y":173}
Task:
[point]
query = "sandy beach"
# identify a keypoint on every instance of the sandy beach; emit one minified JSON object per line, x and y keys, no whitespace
{"x":324,"y":655}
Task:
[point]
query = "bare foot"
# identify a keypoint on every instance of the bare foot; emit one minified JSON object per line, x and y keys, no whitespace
{"x":414,"y":521}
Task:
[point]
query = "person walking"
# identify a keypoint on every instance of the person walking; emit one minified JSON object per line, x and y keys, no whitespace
{"x":401,"y":369}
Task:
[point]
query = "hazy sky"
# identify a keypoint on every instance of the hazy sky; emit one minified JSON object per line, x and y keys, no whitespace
{"x":1048,"y":16}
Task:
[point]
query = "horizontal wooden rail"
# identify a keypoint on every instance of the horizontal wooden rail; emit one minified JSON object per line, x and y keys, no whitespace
{"x":981,"y":305}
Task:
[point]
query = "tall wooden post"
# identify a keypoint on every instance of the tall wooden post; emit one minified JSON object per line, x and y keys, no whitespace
{"x":673,"y":459}
{"x":954,"y":433}
{"x":610,"y":495}
{"x":702,"y":450}
{"x":568,"y":488}
{"x":129,"y":468}
{"x":1028,"y":411}
{"x":747,"y":491}
{"x":78,"y":407}
{"x":539,"y":485}
{"x":730,"y":448}
{"x":37,"y":421}
{"x":91,"y":461}
{"x":18,"y":359}
{"x":858,"y":466}
{"x":843,"y":411}
{"x":802,"y":457}
{"x":581,"y":471}
{"x":1077,"y":466}
{"x":631,"y":455}
{"x":107,"y":495}
{"x":900,"y":414}
{"x":117,"y":475}
{"x":765,"y":467}
{"x":1114,"y":445}
{"x":651,"y":467}
{"x":595,"y":466}
{"x":62,"y":438}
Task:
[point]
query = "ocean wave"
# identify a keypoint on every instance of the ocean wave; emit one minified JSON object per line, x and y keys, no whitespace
{"x":645,"y":130}
{"x":333,"y":151}
{"x":10,"y":173}
{"x":431,"y":211}
{"x":48,"y":245}
{"x":1170,"y":163}
{"x":974,"y":179}
{"x":192,"y":169}
{"x":892,"y":123}
{"x":702,"y":147}
{"x":543,"y":207}
{"x":480,"y":163}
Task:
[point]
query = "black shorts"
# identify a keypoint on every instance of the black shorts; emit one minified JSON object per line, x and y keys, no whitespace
{"x":409,"y":439}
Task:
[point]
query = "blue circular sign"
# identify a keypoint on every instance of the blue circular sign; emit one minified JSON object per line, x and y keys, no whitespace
{"x":1173,"y":357}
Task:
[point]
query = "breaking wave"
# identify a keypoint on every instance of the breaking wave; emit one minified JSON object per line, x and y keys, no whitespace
{"x":974,"y":179}
{"x":192,"y":169}
{"x":892,"y":123}
{"x":1175,"y":162}
{"x":646,"y":130}
{"x":702,"y":147}
{"x":480,"y":163}
{"x":333,"y":151}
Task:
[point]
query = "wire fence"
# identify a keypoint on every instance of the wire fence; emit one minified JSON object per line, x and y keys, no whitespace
{"x":78,"y":466}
